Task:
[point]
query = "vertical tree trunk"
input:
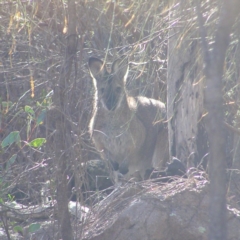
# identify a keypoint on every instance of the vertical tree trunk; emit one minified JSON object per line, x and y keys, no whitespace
{"x":214,"y":62}
{"x":61,"y":138}
{"x":234,"y":182}
{"x":184,"y":85}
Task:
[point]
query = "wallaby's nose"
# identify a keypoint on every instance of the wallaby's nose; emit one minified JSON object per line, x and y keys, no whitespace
{"x":111,"y":102}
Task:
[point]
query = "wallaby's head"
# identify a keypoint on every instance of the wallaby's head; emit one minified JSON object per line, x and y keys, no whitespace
{"x":110,"y":85}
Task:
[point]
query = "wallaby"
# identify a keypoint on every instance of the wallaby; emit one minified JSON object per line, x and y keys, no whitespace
{"x":127,"y":131}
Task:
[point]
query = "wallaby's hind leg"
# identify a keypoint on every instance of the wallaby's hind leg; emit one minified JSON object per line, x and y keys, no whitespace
{"x":161,"y":151}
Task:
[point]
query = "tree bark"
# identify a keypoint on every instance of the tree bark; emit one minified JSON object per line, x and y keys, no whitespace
{"x":61,"y":138}
{"x":214,"y":63}
{"x":184,"y":85}
{"x":234,"y":186}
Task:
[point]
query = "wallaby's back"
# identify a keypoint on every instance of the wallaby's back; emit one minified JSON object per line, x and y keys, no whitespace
{"x":126,"y":131}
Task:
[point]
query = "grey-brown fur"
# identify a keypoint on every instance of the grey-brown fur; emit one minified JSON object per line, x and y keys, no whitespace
{"x":127,"y":131}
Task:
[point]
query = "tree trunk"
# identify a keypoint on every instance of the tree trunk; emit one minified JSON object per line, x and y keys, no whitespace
{"x":234,"y":186}
{"x":63,"y":128}
{"x":214,"y":62}
{"x":184,"y":86}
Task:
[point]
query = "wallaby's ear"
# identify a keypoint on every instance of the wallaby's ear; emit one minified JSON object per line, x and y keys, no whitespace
{"x":120,"y":67}
{"x":96,"y":67}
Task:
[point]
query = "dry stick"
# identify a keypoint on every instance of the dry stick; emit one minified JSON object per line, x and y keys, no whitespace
{"x":214,"y":122}
{"x":126,"y":21}
{"x":203,"y":34}
{"x":5,"y":224}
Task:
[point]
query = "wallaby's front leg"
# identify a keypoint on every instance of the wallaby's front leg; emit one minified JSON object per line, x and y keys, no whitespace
{"x":113,"y":166}
{"x":161,"y":151}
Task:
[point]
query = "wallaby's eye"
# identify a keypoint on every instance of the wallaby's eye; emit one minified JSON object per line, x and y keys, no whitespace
{"x":118,"y":89}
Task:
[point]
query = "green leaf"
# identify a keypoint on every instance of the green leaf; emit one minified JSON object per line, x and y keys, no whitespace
{"x":37,"y":142}
{"x":38,"y":104}
{"x":18,"y":229}
{"x":10,"y":197}
{"x":29,"y":110}
{"x":41,"y":117}
{"x":11,"y":160}
{"x":34,"y":227}
{"x":10,"y":139}
{"x":7,"y":105}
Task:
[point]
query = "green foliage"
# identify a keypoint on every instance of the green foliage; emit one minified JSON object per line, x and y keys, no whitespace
{"x":12,"y":137}
{"x":29,"y":110}
{"x":6,"y":106}
{"x":11,"y":161}
{"x":34,"y":119}
{"x":37,"y":142}
{"x":18,"y":229}
{"x":10,"y":197}
{"x":34,"y":227}
{"x":41,"y":117}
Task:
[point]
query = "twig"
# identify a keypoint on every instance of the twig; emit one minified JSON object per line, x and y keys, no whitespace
{"x":203,"y":35}
{"x":5,"y":225}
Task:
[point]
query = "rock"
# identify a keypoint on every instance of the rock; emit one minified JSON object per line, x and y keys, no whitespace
{"x":77,"y":210}
{"x":150,"y":211}
{"x":98,"y":175}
